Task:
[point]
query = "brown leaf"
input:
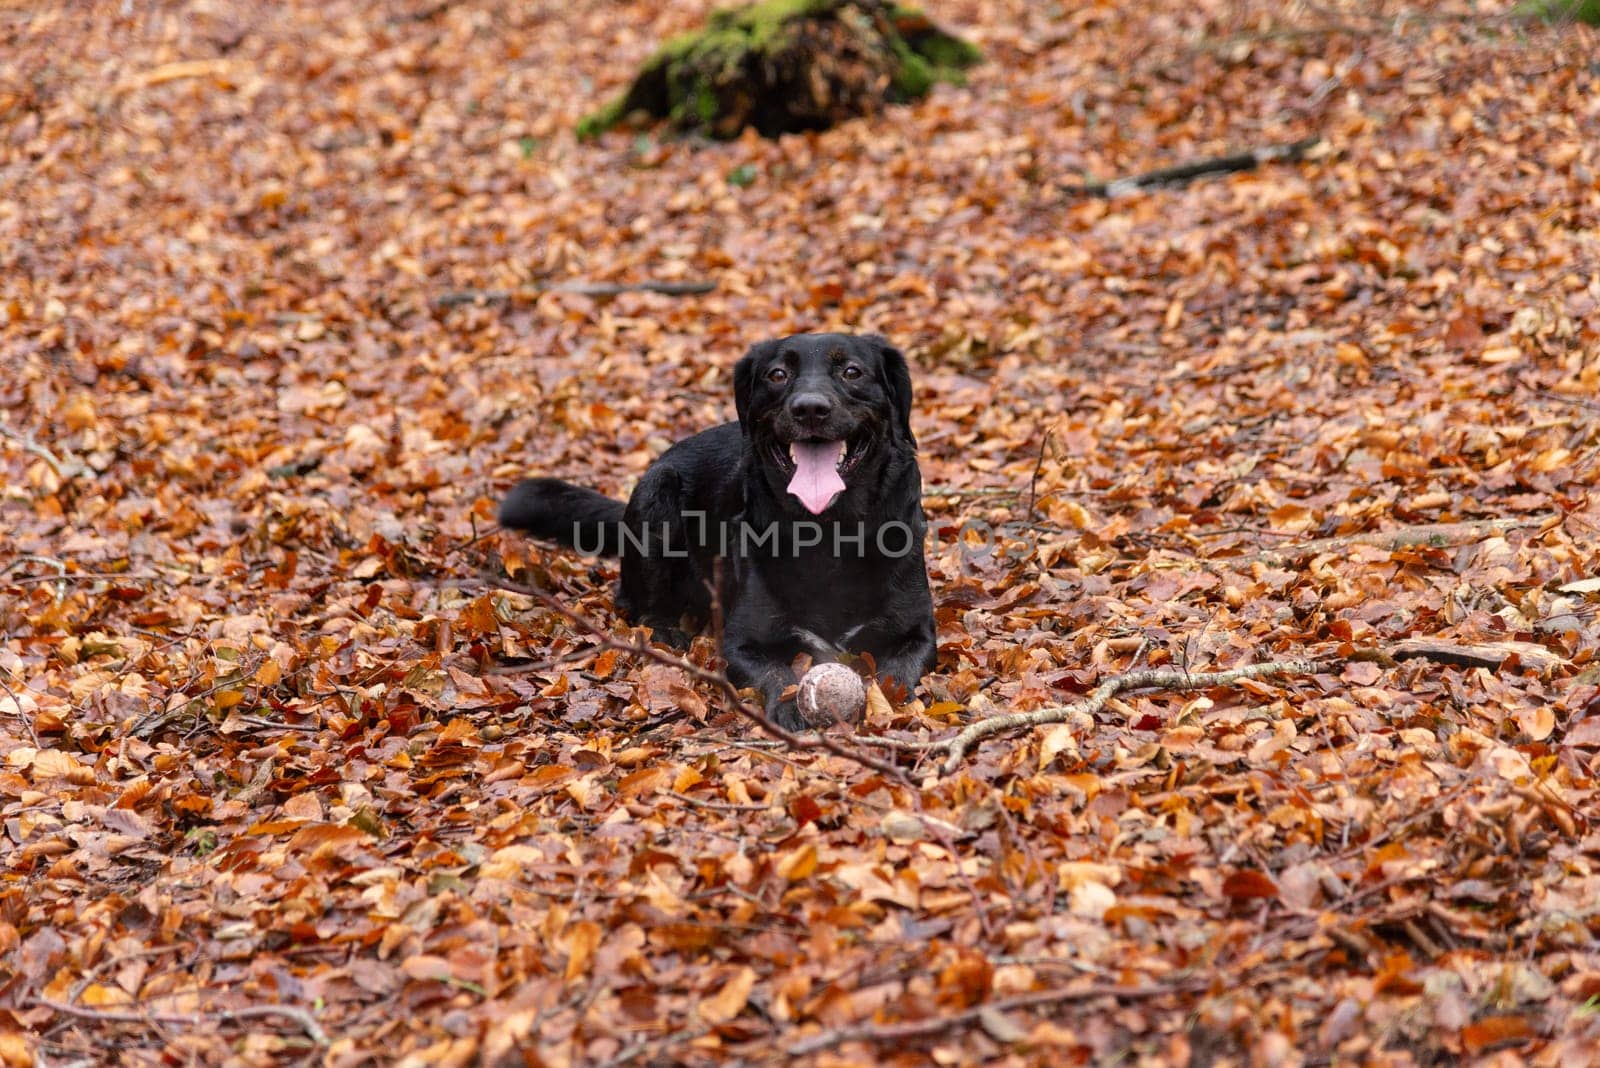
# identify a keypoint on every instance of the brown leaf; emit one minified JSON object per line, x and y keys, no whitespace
{"x":731,"y":999}
{"x":581,"y":941}
{"x":1494,"y":1031}
{"x":1247,"y":884}
{"x":798,"y":863}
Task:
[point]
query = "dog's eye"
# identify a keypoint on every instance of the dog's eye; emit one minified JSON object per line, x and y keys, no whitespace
{"x":851,"y":371}
{"x":777,"y":376}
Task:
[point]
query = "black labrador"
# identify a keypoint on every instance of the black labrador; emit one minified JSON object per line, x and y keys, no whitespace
{"x":805,"y":515}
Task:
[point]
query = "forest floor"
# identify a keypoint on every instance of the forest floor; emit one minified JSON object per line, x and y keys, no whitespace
{"x":286,"y":779}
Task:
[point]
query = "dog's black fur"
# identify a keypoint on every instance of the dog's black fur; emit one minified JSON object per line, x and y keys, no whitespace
{"x":779,"y":597}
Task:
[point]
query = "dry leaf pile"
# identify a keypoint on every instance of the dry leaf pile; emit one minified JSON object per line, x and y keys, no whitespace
{"x":283,"y":779}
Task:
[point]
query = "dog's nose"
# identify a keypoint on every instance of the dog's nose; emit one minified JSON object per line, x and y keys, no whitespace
{"x":810,"y":406}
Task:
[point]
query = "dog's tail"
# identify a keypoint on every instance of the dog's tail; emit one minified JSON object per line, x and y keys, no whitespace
{"x":559,"y":511}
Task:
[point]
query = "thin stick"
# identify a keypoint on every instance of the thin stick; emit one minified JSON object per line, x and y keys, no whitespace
{"x":22,"y":714}
{"x":936,"y":490}
{"x":586,"y":289}
{"x":656,"y":1047}
{"x":81,"y":576}
{"x":1426,"y":535}
{"x":1188,"y":172}
{"x":156,"y":720}
{"x":718,"y":806}
{"x":307,"y":1022}
{"x":899,"y":1032}
{"x":1178,"y":681}
{"x":1033,"y":483}
{"x":931,"y":825}
{"x":1156,"y":678}
{"x":66,"y":470}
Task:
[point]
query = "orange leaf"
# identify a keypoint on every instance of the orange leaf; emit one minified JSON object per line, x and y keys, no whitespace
{"x":1495,"y":1030}
{"x":581,"y":943}
{"x":424,"y":966}
{"x":99,"y":995}
{"x":1394,"y":976}
{"x":643,"y":781}
{"x":730,"y":1001}
{"x":799,"y":864}
{"x":1245,"y":885}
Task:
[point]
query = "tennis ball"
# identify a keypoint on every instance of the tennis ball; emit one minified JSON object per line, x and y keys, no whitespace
{"x":831,"y":693}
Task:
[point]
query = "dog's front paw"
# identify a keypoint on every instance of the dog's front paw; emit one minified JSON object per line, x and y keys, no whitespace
{"x":675,"y":637}
{"x":786,"y":714}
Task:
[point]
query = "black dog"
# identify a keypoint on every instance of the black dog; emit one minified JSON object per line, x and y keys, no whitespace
{"x":808,"y":511}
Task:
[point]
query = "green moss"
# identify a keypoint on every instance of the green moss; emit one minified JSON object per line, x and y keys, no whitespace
{"x":598,"y":122}
{"x":716,"y":79}
{"x":731,"y":33}
{"x":1587,"y":11}
{"x":914,"y":77}
{"x":759,"y":23}
{"x":947,"y":53}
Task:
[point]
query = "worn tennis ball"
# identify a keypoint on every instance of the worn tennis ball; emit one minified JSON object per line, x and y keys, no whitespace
{"x":831,"y":693}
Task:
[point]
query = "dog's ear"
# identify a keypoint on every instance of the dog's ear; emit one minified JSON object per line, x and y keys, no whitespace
{"x":896,"y":378}
{"x":744,"y":376}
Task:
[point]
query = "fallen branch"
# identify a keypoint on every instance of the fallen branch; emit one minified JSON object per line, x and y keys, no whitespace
{"x":1426,"y":535}
{"x":1393,"y":26}
{"x":716,"y":679}
{"x":155,"y":721}
{"x":909,"y":1029}
{"x":655,"y":1048}
{"x":178,"y":71}
{"x":307,"y":1022}
{"x":1188,"y":172}
{"x":1490,"y":655}
{"x":585,"y":289}
{"x":1151,"y":678}
{"x":1486,"y":655}
{"x":66,"y":470}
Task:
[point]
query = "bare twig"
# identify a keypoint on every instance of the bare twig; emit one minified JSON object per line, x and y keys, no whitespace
{"x":1443,"y":652}
{"x":81,"y":576}
{"x":936,"y":490}
{"x":1033,"y":483}
{"x":22,"y":715}
{"x":178,"y":71}
{"x":31,"y":558}
{"x":932,"y":826}
{"x":1150,"y":678}
{"x":157,"y":720}
{"x":655,"y":1048}
{"x":66,"y":470}
{"x":910,"y":1029}
{"x":307,"y":1022}
{"x":1343,"y":24}
{"x":1485,"y":655}
{"x":718,"y":806}
{"x":716,"y":679}
{"x":1187,"y":172}
{"x":92,"y":973}
{"x":585,"y":289}
{"x":1427,"y":535}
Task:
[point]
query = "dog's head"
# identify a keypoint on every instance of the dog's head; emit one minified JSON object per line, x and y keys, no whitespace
{"x":820,"y":409}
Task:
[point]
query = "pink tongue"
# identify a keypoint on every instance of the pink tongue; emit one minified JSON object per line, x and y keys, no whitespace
{"x":816,"y":478}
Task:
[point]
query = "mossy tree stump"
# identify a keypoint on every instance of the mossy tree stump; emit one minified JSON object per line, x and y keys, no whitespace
{"x":1561,"y":10}
{"x":782,"y":66}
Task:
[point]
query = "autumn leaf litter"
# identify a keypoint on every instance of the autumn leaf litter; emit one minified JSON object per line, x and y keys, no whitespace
{"x":270,"y":738}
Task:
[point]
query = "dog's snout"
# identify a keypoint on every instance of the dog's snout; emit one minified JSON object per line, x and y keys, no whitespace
{"x":810,"y":406}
